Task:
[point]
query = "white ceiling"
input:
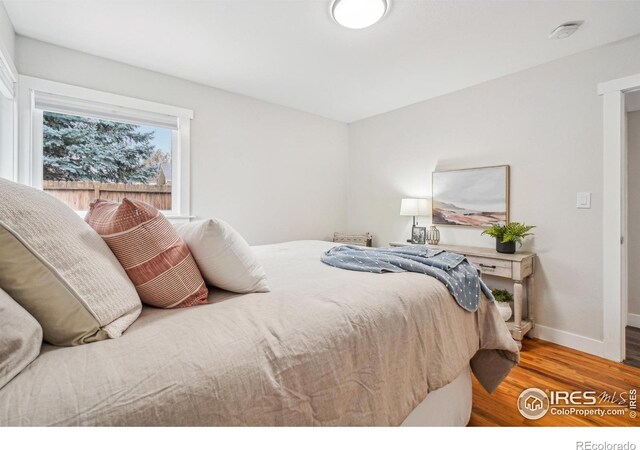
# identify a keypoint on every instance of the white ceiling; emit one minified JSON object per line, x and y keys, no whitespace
{"x":292,"y":53}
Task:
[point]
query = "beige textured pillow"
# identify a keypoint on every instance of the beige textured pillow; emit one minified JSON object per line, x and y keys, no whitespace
{"x":20,"y":338}
{"x":60,"y":270}
{"x":223,"y":256}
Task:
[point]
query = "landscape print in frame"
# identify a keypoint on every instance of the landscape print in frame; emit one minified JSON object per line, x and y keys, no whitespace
{"x":477,"y":197}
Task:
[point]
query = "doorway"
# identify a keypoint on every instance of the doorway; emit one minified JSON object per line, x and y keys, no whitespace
{"x":632,"y":329}
{"x":615,"y":94}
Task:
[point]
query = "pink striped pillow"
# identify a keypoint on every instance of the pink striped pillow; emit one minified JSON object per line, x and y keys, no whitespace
{"x":156,"y":259}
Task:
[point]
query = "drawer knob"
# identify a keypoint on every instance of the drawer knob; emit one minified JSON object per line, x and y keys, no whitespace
{"x":486,"y":266}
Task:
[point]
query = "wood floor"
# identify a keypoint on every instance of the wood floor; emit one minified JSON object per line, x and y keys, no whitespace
{"x":549,"y":366}
{"x":633,"y":347}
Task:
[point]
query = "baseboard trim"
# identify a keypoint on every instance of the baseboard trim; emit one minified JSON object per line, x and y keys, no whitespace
{"x":575,"y":341}
{"x":633,"y":320}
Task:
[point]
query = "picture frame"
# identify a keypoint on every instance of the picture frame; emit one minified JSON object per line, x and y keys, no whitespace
{"x":418,"y":235}
{"x":475,"y":197}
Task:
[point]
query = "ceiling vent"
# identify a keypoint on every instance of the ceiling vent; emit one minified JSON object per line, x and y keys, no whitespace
{"x":565,"y":30}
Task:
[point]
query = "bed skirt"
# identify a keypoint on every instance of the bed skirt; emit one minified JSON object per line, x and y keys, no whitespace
{"x":449,"y":406}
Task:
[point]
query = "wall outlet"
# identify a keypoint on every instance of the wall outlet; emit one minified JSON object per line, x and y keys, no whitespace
{"x":583,"y":200}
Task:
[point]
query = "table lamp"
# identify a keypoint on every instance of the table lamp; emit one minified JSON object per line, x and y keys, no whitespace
{"x":414,"y":207}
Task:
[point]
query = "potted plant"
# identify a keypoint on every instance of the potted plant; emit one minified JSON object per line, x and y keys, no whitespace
{"x":508,"y":235}
{"x":504,"y":300}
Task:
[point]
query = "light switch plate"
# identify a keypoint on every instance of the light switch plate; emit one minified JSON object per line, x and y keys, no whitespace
{"x":583,"y":200}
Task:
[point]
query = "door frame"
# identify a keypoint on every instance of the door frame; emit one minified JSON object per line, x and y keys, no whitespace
{"x":614,"y":212}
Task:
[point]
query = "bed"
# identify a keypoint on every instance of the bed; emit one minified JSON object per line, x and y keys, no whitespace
{"x":325,"y":347}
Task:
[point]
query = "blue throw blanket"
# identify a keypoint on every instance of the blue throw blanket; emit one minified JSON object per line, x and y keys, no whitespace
{"x":453,"y":270}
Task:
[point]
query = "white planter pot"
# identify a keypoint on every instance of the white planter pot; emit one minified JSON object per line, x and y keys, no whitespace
{"x":505,"y":310}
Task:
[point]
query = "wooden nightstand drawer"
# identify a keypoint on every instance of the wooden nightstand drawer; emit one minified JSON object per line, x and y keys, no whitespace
{"x":492,"y":266}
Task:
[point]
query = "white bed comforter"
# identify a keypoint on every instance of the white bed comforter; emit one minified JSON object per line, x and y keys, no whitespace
{"x":325,"y":347}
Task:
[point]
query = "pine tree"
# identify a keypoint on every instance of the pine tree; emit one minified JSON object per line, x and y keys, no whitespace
{"x":87,"y":149}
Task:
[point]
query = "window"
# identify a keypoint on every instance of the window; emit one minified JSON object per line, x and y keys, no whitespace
{"x":85,"y":158}
{"x":86,"y":144}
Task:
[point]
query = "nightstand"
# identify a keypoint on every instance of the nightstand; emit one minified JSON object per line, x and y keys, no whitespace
{"x":518,"y":267}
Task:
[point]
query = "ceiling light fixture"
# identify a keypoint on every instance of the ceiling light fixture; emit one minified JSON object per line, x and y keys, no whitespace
{"x":358,"y":14}
{"x":565,"y":30}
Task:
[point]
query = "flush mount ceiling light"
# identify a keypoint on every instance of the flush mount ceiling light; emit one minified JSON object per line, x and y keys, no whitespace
{"x":357,"y":14}
{"x":565,"y":30}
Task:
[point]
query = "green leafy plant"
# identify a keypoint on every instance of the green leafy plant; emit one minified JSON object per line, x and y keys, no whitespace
{"x":511,"y":232}
{"x":501,"y":295}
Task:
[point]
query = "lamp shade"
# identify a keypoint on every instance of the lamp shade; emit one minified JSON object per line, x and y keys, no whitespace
{"x":414,"y":207}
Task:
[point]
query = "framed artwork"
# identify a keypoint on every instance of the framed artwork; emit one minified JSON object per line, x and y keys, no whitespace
{"x":477,"y":197}
{"x":418,"y":235}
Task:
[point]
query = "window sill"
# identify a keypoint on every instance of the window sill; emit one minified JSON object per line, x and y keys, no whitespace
{"x":172,"y":218}
{"x":179,"y":219}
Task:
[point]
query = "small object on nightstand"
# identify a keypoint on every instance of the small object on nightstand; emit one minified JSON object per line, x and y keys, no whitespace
{"x":433,"y":235}
{"x":418,"y":235}
{"x":414,"y":207}
{"x":507,"y":236}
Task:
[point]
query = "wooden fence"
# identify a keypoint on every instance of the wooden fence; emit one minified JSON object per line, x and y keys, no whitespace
{"x":79,"y":194}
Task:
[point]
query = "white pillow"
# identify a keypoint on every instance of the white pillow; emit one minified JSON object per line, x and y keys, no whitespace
{"x":223,"y":256}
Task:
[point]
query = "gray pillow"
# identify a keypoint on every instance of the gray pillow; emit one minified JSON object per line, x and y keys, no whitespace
{"x":20,"y":338}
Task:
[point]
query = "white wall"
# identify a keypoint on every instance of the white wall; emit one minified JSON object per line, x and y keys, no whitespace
{"x":633,"y":165}
{"x":274,"y":173}
{"x":546,"y":122}
{"x":7,"y":34}
{"x":278,"y":174}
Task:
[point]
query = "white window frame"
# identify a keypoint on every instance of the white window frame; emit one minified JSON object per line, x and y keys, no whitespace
{"x":8,"y":80}
{"x":30,"y":157}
